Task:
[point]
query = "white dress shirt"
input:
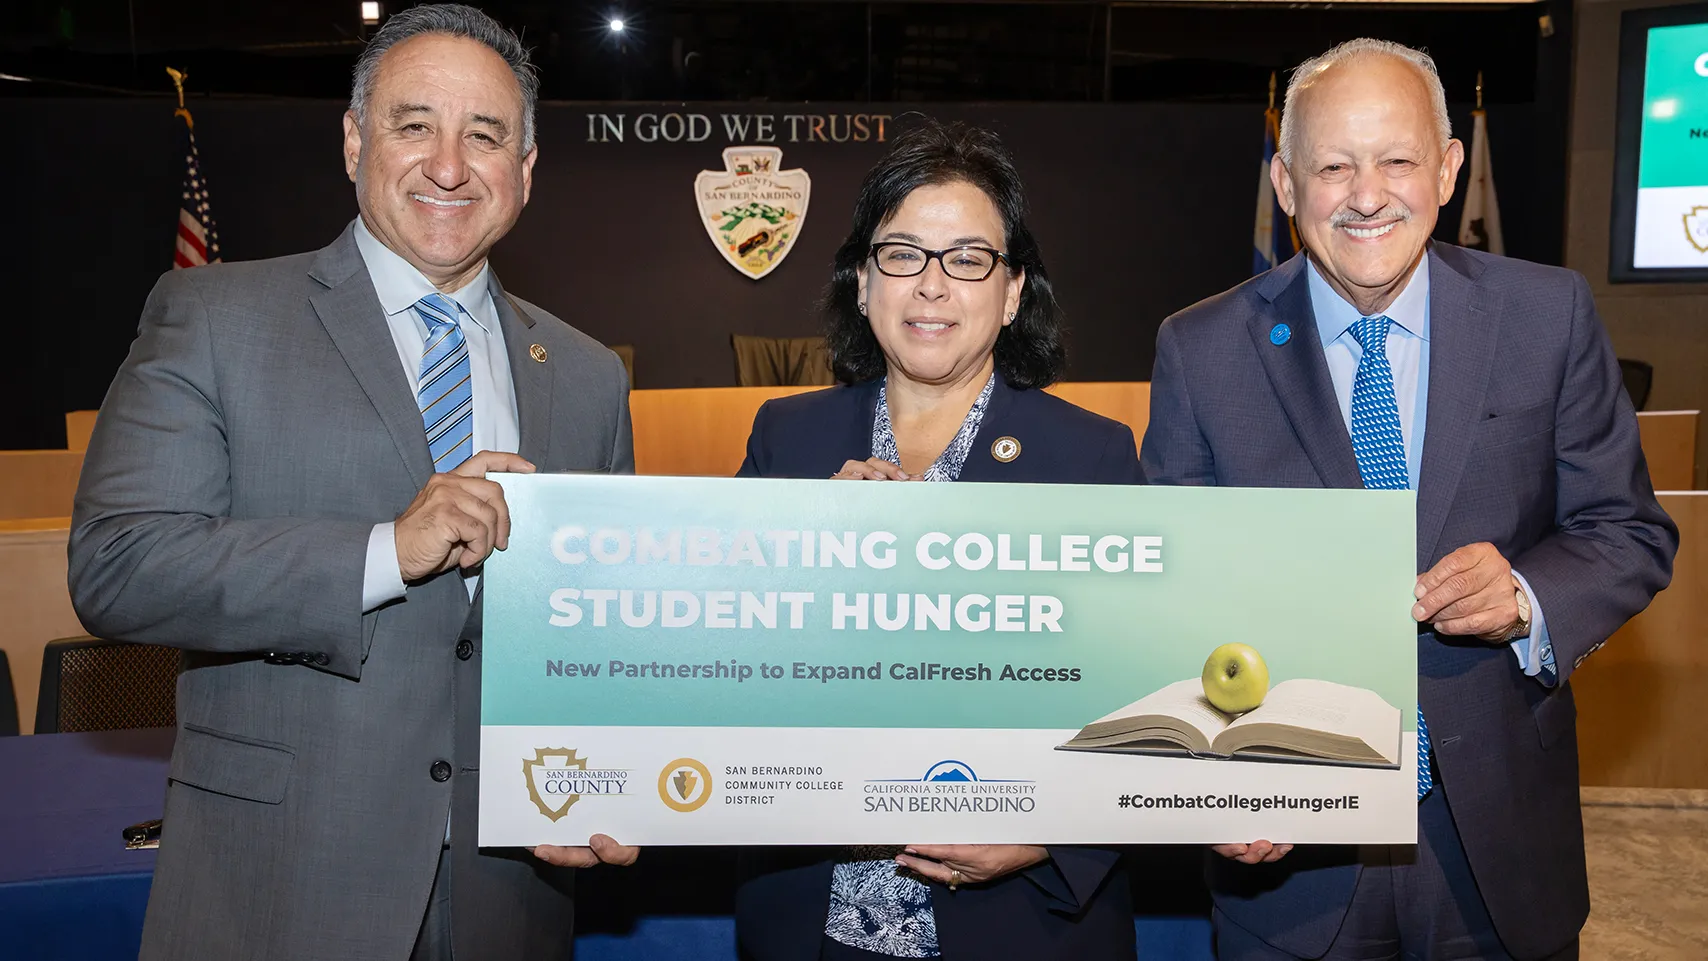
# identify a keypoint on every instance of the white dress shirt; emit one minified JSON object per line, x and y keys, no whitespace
{"x":399,"y":286}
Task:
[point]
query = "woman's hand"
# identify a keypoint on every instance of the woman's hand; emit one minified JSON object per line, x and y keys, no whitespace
{"x":871,"y":469}
{"x":955,"y":864}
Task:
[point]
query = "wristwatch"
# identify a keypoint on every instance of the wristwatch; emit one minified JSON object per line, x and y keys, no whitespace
{"x":1522,"y":628}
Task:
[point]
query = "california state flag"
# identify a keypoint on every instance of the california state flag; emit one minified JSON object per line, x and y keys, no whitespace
{"x":1479,"y":225}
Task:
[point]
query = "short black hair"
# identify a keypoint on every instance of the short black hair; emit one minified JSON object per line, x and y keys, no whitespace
{"x":1029,"y":351}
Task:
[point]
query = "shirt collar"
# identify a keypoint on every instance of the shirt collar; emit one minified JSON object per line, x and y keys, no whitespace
{"x":399,"y":285}
{"x":1410,"y":310}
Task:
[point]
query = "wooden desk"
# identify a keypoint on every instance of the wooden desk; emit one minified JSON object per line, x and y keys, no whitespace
{"x":36,"y":602}
{"x":38,"y":483}
{"x":1640,"y":699}
{"x":703,"y":431}
{"x":1669,"y":445}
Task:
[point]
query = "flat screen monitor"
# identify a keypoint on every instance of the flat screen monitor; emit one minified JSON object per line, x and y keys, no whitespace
{"x":1660,"y":168}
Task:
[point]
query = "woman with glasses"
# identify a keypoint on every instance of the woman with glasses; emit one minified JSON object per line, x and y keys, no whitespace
{"x":943,"y":332}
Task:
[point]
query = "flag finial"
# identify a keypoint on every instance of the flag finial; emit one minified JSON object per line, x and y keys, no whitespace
{"x":1272,"y":89}
{"x":1479,"y":90}
{"x":178,"y":77}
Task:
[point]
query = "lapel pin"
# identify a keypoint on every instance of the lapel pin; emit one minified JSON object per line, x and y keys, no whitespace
{"x":1005,"y":449}
{"x":538,"y":353}
{"x":1280,"y":334}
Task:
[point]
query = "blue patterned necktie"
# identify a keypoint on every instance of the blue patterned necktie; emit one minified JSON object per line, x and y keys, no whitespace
{"x":446,"y":393}
{"x":1380,"y":447}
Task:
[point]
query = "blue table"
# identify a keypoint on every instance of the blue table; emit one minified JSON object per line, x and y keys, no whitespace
{"x":69,"y":891}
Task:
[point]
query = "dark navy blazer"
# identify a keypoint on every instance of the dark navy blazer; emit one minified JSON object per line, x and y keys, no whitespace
{"x":1531,"y":445}
{"x":814,"y":434}
{"x":1077,"y":905}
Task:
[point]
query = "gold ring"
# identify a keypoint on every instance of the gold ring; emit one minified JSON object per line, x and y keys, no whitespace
{"x":954,"y":879}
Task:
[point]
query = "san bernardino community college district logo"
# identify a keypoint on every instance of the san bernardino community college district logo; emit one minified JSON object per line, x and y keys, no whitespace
{"x":753,"y":209}
{"x":685,"y":785}
{"x":557,"y":778}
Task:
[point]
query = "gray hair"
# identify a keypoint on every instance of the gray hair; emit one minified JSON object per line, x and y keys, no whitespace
{"x":1357,"y":50}
{"x":456,"y":20}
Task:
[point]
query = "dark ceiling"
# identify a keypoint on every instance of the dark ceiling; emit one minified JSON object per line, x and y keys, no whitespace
{"x":783,"y":51}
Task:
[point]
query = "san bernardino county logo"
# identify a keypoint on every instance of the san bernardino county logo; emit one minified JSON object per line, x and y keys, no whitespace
{"x":951,"y":787}
{"x":753,"y":209}
{"x":1696,"y":227}
{"x":685,"y":785}
{"x":557,"y":778}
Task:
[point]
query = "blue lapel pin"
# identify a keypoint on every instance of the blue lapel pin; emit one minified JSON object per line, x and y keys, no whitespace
{"x":1280,"y":334}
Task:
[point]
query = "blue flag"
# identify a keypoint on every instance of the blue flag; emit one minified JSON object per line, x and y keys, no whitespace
{"x":1272,"y":239}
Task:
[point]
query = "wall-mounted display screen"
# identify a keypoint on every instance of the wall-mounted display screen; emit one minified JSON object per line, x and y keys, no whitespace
{"x":1660,"y":193}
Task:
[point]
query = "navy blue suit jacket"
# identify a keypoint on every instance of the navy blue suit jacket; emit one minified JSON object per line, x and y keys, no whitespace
{"x":1531,"y":445}
{"x":1075,"y":906}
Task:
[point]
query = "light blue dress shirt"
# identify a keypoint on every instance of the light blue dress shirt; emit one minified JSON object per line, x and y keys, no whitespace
{"x":399,"y":286}
{"x":1408,"y":355}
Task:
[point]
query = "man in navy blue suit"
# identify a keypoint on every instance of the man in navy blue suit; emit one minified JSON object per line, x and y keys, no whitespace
{"x":1537,"y":527}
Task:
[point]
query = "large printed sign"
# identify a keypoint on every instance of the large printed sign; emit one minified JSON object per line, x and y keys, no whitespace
{"x":711,"y":661}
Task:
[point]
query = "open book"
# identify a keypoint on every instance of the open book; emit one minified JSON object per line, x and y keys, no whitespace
{"x":1319,"y":722}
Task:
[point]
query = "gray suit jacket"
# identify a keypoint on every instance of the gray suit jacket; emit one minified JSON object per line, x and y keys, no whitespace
{"x":1532,"y":445}
{"x":258,"y":430}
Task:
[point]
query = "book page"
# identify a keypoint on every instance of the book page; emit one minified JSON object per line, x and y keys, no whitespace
{"x":1322,"y":718}
{"x":1180,"y":705}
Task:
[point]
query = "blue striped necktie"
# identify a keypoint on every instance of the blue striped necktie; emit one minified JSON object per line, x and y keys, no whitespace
{"x":446,"y":393}
{"x":1380,"y":447}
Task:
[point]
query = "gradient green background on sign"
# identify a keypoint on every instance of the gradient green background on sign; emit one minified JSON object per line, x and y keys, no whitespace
{"x":1318,"y":581}
{"x":1669,"y":156}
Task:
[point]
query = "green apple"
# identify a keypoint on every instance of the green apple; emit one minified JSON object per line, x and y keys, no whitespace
{"x":1235,"y":678}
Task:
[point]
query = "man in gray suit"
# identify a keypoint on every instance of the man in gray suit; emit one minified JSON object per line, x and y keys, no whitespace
{"x":284,"y":483}
{"x":1538,"y":533}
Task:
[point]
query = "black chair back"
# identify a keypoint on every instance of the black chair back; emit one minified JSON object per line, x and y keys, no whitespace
{"x":8,"y":699}
{"x":1639,"y":377}
{"x":89,"y":684}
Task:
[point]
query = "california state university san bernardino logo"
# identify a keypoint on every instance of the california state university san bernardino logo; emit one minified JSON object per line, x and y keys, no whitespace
{"x":753,"y":209}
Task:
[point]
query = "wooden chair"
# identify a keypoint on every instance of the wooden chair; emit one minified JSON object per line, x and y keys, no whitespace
{"x":781,"y":361}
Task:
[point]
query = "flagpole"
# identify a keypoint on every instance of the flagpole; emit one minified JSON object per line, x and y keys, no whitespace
{"x":178,"y":77}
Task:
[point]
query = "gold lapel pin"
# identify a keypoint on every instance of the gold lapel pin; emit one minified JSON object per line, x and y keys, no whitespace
{"x":538,"y":353}
{"x":1005,"y":449}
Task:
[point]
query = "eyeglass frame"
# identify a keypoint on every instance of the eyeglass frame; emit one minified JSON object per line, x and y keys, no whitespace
{"x":937,"y":255}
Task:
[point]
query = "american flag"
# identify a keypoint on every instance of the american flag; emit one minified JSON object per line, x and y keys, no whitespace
{"x":198,"y":238}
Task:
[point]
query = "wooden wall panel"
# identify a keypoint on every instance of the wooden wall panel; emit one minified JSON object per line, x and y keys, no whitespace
{"x":1641,"y":698}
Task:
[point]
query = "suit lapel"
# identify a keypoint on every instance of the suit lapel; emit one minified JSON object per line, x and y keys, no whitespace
{"x":1299,"y":374}
{"x":354,"y":319}
{"x":1461,"y":359}
{"x":531,"y":378}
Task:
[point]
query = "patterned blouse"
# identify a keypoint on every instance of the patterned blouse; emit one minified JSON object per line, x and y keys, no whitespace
{"x":874,"y":906}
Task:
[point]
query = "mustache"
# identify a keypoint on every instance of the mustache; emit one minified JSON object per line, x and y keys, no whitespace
{"x":1394,"y":210}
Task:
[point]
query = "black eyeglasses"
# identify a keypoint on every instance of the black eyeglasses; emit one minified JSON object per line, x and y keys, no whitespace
{"x":962,"y":263}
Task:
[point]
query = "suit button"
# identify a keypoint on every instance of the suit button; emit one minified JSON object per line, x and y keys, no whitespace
{"x":441,"y":771}
{"x":465,"y":649}
{"x":323,"y":659}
